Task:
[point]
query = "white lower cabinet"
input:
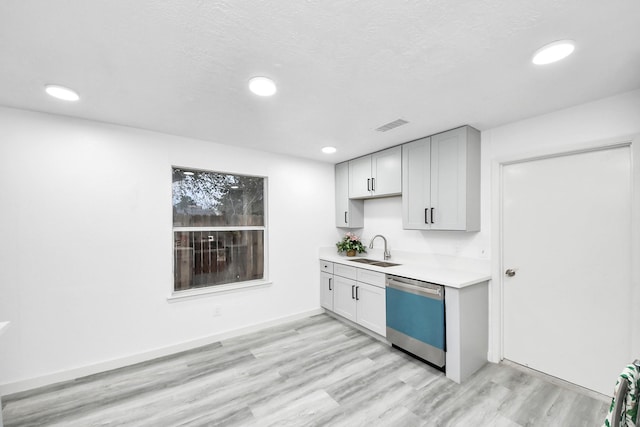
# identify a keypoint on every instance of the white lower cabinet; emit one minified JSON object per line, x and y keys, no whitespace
{"x":326,"y":290}
{"x":360,"y":302}
{"x":371,"y":308}
{"x":326,"y":284}
{"x":344,"y":301}
{"x":359,"y":295}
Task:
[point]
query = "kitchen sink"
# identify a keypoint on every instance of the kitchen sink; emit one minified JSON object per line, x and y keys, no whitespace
{"x":384,"y":264}
{"x":375,"y":262}
{"x":364,"y":260}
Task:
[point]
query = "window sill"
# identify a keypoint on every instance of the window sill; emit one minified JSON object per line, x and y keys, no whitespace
{"x":212,"y":290}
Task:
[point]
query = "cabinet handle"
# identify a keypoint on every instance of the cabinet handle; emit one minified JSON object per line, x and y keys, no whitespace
{"x":345,"y":217}
{"x":368,"y":184}
{"x":373,"y":184}
{"x":426,"y":218}
{"x":357,"y":287}
{"x":352,"y":288}
{"x":432,"y":221}
{"x":330,"y":283}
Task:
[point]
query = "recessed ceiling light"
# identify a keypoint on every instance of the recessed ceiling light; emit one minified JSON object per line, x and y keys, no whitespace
{"x":329,"y":150}
{"x":553,"y":52}
{"x":189,"y":173}
{"x":62,"y":92}
{"x":262,"y":86}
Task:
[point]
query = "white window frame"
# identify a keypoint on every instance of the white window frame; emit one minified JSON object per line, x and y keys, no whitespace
{"x":187,"y":294}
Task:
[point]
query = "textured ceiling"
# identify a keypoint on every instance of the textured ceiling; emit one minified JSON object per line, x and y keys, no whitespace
{"x":343,"y":68}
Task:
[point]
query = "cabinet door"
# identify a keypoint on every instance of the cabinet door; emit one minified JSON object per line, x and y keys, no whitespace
{"x":349,"y":213}
{"x":326,"y":290}
{"x":360,"y":177}
{"x":386,"y":172}
{"x":455,"y":180}
{"x":371,"y":309}
{"x":344,"y":302}
{"x":416,"y":184}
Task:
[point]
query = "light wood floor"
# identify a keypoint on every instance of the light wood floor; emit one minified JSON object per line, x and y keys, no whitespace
{"x":314,"y":372}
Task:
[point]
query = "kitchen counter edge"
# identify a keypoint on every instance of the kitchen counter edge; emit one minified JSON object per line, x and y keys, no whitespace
{"x":453,"y":278}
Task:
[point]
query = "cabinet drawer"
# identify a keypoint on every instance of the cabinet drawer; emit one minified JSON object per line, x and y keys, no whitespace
{"x":344,"y":271}
{"x":372,"y":277}
{"x":326,"y":266}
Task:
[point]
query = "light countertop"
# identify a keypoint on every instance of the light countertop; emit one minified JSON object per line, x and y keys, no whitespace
{"x":454,"y":272}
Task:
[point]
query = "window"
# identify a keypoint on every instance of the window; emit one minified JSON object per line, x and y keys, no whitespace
{"x":218,"y":228}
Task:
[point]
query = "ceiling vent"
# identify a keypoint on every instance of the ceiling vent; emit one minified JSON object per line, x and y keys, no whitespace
{"x":392,"y":125}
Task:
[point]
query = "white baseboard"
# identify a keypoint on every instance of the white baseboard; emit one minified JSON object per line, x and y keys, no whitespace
{"x":71,"y":374}
{"x":559,"y":382}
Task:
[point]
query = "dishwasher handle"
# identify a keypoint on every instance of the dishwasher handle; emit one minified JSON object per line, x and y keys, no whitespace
{"x":435,"y":292}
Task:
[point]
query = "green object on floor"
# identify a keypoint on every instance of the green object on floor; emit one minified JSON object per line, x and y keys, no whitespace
{"x":624,"y":405}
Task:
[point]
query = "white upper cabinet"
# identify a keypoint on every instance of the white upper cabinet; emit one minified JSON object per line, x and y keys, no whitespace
{"x":360,"y":177}
{"x":441,"y":181}
{"x":349,"y":213}
{"x":455,"y":180}
{"x":416,"y":181}
{"x":386,"y":171}
{"x":376,"y":175}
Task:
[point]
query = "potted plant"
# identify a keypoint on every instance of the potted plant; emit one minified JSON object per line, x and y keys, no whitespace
{"x":350,"y":244}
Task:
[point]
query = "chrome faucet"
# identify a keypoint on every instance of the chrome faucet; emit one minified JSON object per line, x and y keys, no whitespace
{"x":387,"y":254}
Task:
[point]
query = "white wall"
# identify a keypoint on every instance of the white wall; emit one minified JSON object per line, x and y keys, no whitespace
{"x":612,"y":119}
{"x":384,"y":216}
{"x":86,"y":254}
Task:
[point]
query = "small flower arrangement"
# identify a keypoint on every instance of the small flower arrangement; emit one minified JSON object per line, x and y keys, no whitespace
{"x":351,"y":244}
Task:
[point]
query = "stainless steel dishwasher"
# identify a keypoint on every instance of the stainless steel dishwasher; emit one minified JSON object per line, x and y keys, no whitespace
{"x":415,"y":318}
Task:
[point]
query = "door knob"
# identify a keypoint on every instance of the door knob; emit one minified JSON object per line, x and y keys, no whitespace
{"x":510,"y":272}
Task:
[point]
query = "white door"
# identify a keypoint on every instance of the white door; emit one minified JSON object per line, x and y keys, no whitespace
{"x":372,"y":308}
{"x":566,"y":233}
{"x":326,"y":290}
{"x":386,"y":171}
{"x":416,"y":184}
{"x":344,"y":301}
{"x":360,"y":177}
{"x":448,"y":180}
{"x":342,"y":194}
